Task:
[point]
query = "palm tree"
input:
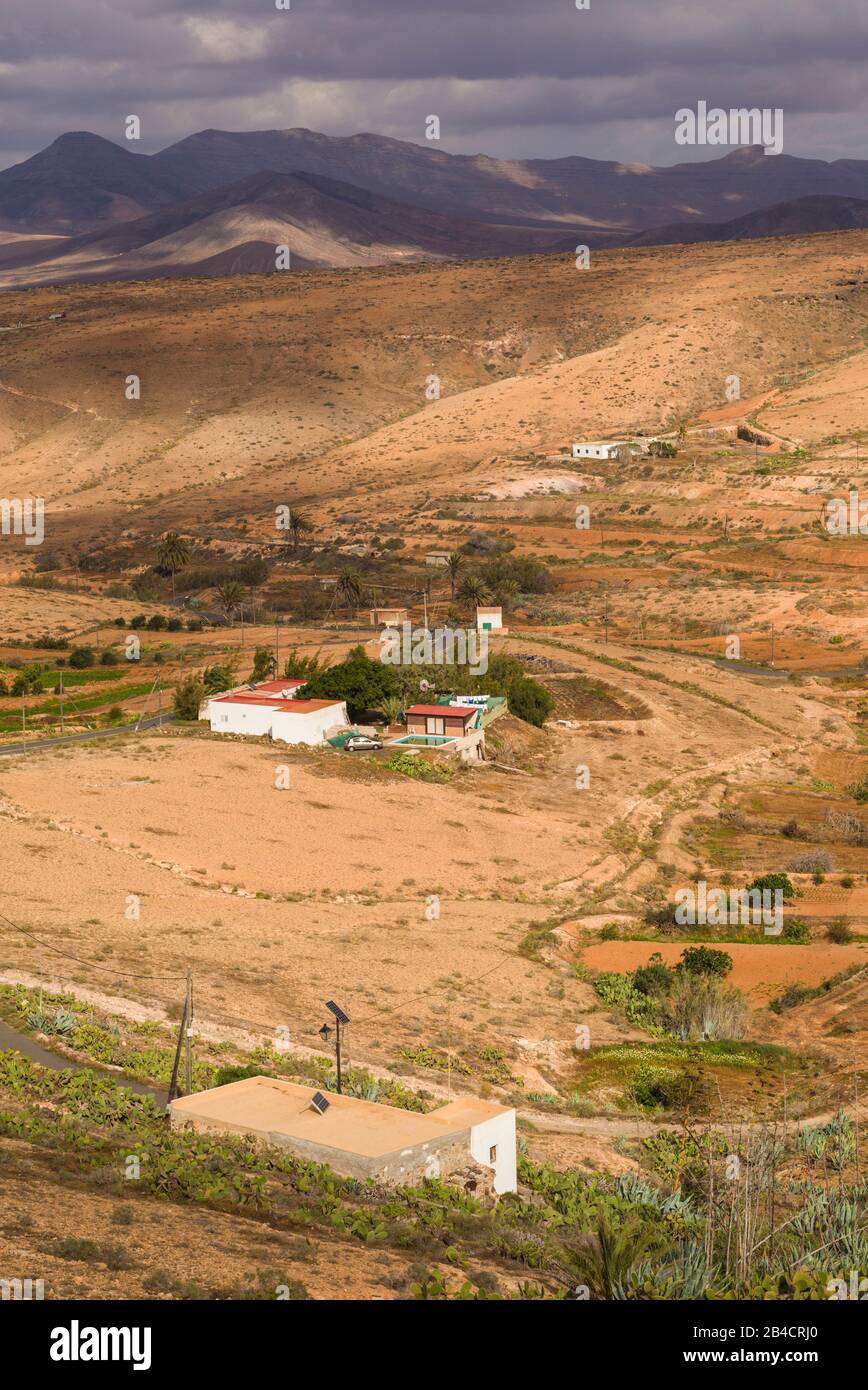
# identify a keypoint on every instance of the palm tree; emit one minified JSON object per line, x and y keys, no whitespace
{"x":392,"y":706}
{"x":298,"y":524}
{"x":230,"y":595}
{"x":173,"y":553}
{"x":349,"y":588}
{"x":604,"y":1260}
{"x":454,"y":565}
{"x":473,"y":591}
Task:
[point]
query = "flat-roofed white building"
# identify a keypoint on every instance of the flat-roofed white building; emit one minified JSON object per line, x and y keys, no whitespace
{"x":601,"y":448}
{"x":489,"y":619}
{"x":360,"y":1138}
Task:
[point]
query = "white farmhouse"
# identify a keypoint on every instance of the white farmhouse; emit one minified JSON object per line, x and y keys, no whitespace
{"x":361,"y":1138}
{"x":265,"y":710}
{"x":602,"y":449}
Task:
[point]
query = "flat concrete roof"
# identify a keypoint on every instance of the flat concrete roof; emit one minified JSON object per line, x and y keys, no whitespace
{"x":264,"y":1106}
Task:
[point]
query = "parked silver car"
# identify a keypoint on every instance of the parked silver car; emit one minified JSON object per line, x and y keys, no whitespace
{"x":360,"y":743}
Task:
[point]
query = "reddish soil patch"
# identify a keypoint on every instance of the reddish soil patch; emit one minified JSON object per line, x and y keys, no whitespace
{"x":761,"y":971}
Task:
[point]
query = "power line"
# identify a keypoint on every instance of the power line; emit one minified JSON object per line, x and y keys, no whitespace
{"x":108,"y":969}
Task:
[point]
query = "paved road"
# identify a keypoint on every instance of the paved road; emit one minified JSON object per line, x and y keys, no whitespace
{"x":32,"y":745}
{"x":11,"y":1039}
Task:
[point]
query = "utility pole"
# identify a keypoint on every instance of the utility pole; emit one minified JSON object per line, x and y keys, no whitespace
{"x":24,"y":724}
{"x":606,"y":615}
{"x":277,"y":647}
{"x":773,"y":644}
{"x":188,"y":1037}
{"x":61,"y":702}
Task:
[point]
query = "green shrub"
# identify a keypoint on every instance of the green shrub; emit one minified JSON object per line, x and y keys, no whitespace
{"x":530,"y":701}
{"x":702,"y":960}
{"x":839,"y":932}
{"x":773,"y":882}
{"x":797,"y":930}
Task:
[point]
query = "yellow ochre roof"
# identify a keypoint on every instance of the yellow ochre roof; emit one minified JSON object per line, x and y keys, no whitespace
{"x":264,"y":1105}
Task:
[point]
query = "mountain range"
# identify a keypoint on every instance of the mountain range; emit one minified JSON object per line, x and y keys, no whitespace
{"x":220,"y":202}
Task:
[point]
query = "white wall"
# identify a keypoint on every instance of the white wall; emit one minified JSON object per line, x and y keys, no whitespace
{"x":226,"y":718}
{"x":499,"y":1131}
{"x":310,"y":728}
{"x":495,"y":619}
{"x":595,"y":451}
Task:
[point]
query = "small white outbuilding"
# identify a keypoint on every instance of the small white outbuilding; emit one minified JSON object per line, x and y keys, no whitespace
{"x":489,"y":619}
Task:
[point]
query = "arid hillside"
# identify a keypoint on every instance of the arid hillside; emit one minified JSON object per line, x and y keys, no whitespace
{"x":245,"y":382}
{"x":691,"y":632}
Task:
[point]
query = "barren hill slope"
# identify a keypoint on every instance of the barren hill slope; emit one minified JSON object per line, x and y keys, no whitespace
{"x":245,"y":382}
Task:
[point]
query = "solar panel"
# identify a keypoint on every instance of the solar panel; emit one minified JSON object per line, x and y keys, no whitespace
{"x":338,"y":1013}
{"x":319,"y":1102}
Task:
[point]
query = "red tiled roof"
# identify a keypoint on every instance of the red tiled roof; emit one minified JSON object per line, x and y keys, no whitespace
{"x":442,"y":710}
{"x":276,"y":687}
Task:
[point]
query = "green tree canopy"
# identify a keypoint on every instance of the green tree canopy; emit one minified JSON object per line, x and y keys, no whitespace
{"x":363,"y":683}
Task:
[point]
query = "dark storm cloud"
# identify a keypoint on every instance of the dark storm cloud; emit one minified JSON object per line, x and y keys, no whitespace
{"x":505,"y":76}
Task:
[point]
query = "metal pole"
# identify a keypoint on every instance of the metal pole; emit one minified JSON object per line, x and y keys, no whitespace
{"x":61,"y":702}
{"x":338,"y":1052}
{"x":188,"y":1037}
{"x":23,"y":724}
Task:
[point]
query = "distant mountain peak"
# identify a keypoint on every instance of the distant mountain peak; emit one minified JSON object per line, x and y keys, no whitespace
{"x":84,"y":183}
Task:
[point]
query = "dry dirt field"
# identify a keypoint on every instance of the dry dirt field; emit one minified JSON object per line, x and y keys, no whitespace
{"x":258,"y":392}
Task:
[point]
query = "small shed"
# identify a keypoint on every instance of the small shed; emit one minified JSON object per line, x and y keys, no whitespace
{"x":489,"y":619}
{"x":389,"y":617}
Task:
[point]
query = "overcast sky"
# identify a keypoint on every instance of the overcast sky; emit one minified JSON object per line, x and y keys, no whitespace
{"x":519,"y":78}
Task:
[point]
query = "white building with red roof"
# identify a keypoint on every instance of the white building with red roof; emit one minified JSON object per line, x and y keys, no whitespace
{"x":270,"y":709}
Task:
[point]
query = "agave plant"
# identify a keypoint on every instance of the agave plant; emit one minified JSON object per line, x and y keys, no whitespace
{"x":60,"y":1024}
